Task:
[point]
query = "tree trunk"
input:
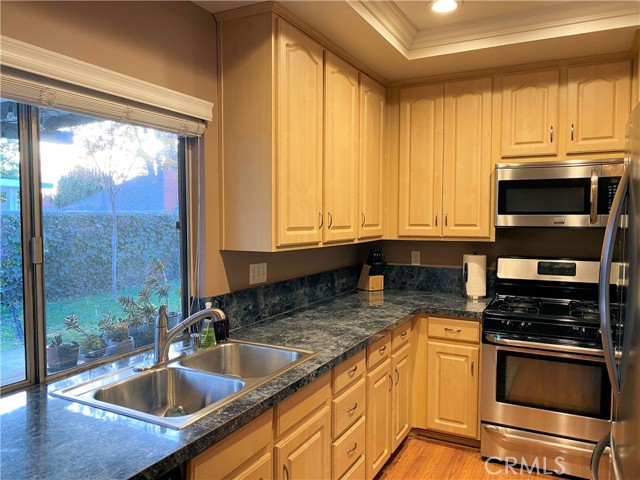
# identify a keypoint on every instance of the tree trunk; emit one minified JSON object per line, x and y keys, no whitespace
{"x":114,"y":248}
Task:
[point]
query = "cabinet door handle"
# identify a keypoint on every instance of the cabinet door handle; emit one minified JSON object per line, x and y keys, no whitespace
{"x":352,"y":409}
{"x":352,"y":370}
{"x":551,"y":134}
{"x":397,"y":376}
{"x":352,"y":449}
{"x":472,"y":362}
{"x":321,"y":220}
{"x":330,"y":219}
{"x":436,"y":219}
{"x":452,"y":330}
{"x":403,"y":334}
{"x":285,"y":471}
{"x":572,"y":130}
{"x":382,"y":349}
{"x":364,"y":218}
{"x":446,"y":219}
{"x":390,"y":382}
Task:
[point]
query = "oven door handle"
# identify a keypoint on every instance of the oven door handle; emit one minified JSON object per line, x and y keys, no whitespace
{"x":604,"y":282}
{"x":594,"y":464}
{"x":542,"y":346}
{"x":536,"y":441}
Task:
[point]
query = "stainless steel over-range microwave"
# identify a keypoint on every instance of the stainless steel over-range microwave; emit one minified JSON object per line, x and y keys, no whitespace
{"x":572,"y":193}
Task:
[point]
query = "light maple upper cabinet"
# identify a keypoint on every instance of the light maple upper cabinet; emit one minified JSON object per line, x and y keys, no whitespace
{"x":420,"y":162}
{"x":530,"y":113}
{"x":372,"y":158}
{"x":341,"y":125}
{"x":598,"y":106}
{"x":445,"y":160}
{"x":271,"y":100}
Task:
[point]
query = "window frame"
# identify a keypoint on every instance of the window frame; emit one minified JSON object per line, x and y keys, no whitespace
{"x":33,"y":261}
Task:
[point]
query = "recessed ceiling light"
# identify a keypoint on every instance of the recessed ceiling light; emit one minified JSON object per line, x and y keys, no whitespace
{"x":444,"y":6}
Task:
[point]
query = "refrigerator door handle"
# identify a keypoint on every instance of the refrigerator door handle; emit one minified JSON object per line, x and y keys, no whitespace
{"x":594,"y":464}
{"x":604,"y":281}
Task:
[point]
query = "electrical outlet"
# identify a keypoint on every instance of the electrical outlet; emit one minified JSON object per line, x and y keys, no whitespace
{"x":415,"y":257}
{"x":257,"y":273}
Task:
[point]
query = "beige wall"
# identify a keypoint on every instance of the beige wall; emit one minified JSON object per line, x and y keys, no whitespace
{"x":172,"y":44}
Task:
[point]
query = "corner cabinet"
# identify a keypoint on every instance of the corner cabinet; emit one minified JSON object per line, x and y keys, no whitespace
{"x":445,"y":160}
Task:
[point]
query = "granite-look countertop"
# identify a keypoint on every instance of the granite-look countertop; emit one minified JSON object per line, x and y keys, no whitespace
{"x":44,"y":437}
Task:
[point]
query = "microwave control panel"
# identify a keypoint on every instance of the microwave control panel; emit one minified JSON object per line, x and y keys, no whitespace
{"x":607,"y":187}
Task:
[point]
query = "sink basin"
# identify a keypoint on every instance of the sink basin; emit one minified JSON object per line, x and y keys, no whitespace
{"x":179,"y":394}
{"x":245,"y":360}
{"x":170,"y":397}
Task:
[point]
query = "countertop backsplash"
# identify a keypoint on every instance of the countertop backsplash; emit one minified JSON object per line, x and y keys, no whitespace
{"x":255,"y":304}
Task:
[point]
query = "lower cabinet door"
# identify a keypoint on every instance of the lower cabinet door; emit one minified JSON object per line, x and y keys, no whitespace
{"x":379,"y":386}
{"x":305,"y":453}
{"x":452,"y":393}
{"x":401,"y":395}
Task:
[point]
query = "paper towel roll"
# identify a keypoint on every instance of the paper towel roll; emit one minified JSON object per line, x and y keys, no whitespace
{"x":474,"y":275}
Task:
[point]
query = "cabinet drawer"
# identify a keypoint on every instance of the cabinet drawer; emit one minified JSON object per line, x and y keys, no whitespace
{"x":379,"y":350}
{"x":253,"y":441}
{"x":401,"y":336}
{"x":348,"y":407}
{"x":306,"y":402}
{"x":349,"y":371}
{"x":348,"y":449}
{"x":357,"y":472}
{"x":450,"y":329}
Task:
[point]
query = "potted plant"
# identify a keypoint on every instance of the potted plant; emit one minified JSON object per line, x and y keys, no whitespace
{"x":92,"y":347}
{"x":116,"y":334}
{"x":157,"y":281}
{"x":61,"y":355}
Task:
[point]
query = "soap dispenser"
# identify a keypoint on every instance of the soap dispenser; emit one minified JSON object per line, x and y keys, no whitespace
{"x":209,"y":335}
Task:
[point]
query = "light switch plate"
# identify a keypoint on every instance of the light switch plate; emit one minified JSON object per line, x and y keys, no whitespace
{"x":257,"y":273}
{"x":415,"y":257}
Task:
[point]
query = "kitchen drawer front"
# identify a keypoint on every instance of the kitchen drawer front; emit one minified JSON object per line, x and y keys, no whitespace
{"x":450,"y":329}
{"x":348,"y":407}
{"x":357,"y":472}
{"x":349,"y":371}
{"x":401,"y":336}
{"x":348,"y":449}
{"x":302,"y":404}
{"x":379,"y":351}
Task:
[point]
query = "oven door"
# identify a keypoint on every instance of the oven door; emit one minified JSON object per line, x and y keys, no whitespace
{"x":557,"y":196}
{"x":549,"y":391}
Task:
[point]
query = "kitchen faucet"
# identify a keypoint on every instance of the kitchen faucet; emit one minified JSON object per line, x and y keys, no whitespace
{"x":163,"y":336}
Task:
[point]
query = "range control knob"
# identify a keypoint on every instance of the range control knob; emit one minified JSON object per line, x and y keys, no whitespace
{"x":524,"y":325}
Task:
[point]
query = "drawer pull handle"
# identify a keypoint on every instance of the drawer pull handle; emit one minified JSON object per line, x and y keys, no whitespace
{"x":452,"y":330}
{"x":352,"y":370}
{"x":285,"y":471}
{"x":403,"y":334}
{"x":382,"y":349}
{"x":352,"y":449}
{"x":352,"y":409}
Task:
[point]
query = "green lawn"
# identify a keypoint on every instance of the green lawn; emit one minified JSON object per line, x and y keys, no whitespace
{"x":88,"y":310}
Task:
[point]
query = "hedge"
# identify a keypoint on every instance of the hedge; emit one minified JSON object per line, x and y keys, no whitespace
{"x":77,"y":252}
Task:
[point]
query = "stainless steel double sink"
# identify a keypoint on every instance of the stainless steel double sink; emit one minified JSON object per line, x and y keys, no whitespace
{"x":188,"y":388}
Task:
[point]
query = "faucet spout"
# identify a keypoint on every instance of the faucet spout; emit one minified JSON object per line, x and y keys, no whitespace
{"x":163,"y":336}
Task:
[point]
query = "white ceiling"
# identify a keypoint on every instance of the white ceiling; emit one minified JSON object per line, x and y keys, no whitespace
{"x":404,"y":39}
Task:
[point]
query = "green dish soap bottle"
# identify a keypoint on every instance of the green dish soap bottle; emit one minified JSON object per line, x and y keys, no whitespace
{"x":209,"y":335}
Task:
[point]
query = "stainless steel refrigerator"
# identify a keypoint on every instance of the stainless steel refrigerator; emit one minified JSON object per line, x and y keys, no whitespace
{"x":622,"y":239}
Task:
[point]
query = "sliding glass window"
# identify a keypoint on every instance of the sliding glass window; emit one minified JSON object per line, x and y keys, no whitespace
{"x":108,"y":202}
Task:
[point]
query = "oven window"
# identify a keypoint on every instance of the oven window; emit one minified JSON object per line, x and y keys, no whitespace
{"x":540,"y":197}
{"x":551,"y":383}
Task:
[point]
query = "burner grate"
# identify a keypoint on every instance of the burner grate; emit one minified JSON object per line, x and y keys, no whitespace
{"x":521,"y":304}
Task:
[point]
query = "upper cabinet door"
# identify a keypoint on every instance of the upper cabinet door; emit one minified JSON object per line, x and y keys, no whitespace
{"x":298,"y":166}
{"x":420,"y":165}
{"x":598,"y":105}
{"x":372,"y":157}
{"x":341,"y":123}
{"x":530,"y":113}
{"x":467,"y":159}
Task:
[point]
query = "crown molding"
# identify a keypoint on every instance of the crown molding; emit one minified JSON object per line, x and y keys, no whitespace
{"x":539,"y":24}
{"x":45,"y":63}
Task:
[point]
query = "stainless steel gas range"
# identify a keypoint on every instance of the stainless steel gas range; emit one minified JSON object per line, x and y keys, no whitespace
{"x":545,"y":395}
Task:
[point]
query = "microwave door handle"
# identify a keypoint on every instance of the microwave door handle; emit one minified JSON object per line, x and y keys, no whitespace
{"x":593,"y":205}
{"x":604,"y":282}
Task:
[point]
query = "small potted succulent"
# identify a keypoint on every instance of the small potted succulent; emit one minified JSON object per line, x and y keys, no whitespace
{"x":92,"y":347}
{"x":116,"y":334}
{"x":61,"y":355}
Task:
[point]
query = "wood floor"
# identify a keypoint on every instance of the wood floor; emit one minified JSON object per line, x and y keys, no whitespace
{"x":425,"y":459}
